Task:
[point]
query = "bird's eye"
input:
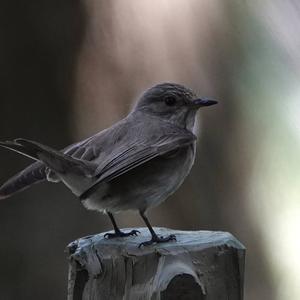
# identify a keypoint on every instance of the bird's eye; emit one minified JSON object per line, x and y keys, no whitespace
{"x":170,"y":100}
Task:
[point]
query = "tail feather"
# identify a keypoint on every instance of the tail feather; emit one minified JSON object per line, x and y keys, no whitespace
{"x":55,"y":160}
{"x":46,"y":157}
{"x":19,"y":148}
{"x":33,"y":174}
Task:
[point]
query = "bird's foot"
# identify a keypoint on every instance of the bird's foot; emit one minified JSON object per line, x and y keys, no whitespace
{"x":157,"y":240}
{"x":121,"y":234}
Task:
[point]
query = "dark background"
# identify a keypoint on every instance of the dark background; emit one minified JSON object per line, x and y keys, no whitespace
{"x":72,"y":68}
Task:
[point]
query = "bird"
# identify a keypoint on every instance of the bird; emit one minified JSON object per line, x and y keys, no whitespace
{"x":135,"y":164}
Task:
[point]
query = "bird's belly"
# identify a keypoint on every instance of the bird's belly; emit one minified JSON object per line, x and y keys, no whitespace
{"x":145,"y":186}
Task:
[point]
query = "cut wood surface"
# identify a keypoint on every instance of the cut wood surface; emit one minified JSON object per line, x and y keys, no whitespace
{"x":199,"y":265}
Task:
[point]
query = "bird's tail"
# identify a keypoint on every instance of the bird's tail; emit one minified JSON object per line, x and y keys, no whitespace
{"x":46,"y":157}
{"x":33,"y":174}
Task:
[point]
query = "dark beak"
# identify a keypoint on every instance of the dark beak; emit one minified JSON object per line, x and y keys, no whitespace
{"x":203,"y":102}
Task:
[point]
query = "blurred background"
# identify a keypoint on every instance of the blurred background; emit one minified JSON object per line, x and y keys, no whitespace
{"x":71,"y":68}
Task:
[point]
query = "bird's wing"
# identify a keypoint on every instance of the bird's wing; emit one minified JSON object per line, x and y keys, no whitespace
{"x":138,"y":154}
{"x":82,"y":150}
{"x":93,"y":148}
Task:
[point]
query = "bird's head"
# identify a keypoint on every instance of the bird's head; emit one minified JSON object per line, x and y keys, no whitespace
{"x":172,"y":102}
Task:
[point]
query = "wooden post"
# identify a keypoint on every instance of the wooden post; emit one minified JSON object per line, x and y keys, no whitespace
{"x":199,"y":265}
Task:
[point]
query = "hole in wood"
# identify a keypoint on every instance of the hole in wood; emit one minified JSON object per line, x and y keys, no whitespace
{"x":183,"y":287}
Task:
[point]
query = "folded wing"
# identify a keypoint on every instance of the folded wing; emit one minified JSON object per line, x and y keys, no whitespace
{"x":137,"y":155}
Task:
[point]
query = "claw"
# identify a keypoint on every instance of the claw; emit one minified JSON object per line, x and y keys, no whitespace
{"x":157,"y":240}
{"x":121,"y":234}
{"x":109,"y":235}
{"x":134,"y":232}
{"x":172,"y":237}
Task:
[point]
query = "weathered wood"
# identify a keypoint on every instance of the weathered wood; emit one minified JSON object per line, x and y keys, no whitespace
{"x":199,"y":265}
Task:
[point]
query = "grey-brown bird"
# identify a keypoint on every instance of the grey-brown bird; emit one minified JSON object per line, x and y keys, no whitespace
{"x":133,"y":165}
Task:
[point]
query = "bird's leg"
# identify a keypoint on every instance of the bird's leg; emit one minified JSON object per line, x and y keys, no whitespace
{"x":155,"y":238}
{"x":118,"y":232}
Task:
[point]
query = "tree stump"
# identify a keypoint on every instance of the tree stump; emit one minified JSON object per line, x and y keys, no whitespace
{"x":199,"y":265}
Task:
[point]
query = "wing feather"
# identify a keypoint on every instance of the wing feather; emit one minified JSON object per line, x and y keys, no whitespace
{"x":137,"y":155}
